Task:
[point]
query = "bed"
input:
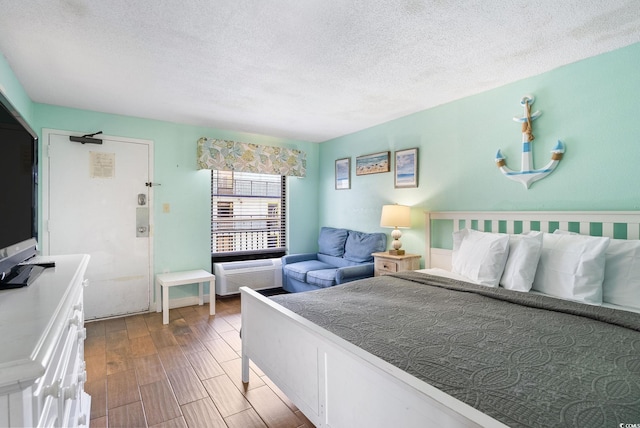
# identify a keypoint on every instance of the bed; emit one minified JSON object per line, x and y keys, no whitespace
{"x":354,"y":356}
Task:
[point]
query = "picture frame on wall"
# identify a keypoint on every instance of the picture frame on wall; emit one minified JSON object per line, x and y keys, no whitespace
{"x":343,"y":173}
{"x":374,"y":163}
{"x":406,"y":168}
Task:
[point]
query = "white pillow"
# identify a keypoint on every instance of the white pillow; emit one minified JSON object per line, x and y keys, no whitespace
{"x":524,"y":254}
{"x":480,"y":256}
{"x":621,"y":285}
{"x":572,"y":267}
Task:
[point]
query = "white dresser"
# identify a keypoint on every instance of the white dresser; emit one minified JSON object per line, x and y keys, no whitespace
{"x":42,"y":368}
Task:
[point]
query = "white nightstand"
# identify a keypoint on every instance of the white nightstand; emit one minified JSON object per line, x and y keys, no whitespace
{"x":385,"y":263}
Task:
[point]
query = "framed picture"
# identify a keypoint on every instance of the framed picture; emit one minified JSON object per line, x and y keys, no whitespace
{"x":372,"y":164}
{"x":343,"y":173}
{"x":406,"y":168}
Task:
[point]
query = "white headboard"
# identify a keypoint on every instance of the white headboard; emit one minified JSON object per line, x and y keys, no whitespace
{"x":614,"y":224}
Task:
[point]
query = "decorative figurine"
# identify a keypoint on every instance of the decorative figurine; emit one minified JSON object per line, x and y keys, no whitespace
{"x":527,"y":174}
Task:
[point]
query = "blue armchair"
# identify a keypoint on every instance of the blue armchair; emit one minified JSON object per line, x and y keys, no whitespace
{"x":343,"y":255}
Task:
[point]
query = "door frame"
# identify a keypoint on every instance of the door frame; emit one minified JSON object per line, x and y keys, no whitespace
{"x":44,"y":202}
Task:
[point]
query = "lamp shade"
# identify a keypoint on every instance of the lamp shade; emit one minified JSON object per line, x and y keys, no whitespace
{"x":395,"y":216}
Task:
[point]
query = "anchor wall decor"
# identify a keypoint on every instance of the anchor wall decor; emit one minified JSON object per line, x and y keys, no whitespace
{"x":527,"y":174}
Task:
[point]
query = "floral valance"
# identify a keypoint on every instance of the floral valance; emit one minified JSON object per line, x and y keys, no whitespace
{"x":224,"y":155}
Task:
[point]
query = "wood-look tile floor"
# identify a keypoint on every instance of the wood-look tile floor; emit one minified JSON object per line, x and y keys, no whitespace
{"x":142,"y":373}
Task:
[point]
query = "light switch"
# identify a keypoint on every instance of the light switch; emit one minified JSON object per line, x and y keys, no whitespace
{"x":166,"y":208}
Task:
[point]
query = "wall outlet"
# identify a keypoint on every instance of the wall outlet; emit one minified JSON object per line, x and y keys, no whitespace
{"x":166,"y":208}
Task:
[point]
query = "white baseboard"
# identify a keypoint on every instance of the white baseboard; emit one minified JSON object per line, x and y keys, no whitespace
{"x":185,"y":301}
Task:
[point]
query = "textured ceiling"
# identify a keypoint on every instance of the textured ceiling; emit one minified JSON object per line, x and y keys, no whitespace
{"x":302,"y":69}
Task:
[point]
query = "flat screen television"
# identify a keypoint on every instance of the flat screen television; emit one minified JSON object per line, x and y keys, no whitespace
{"x":18,"y":194}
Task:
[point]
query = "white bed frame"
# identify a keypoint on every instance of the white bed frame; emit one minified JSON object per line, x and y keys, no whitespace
{"x":441,"y":258}
{"x":336,"y":384}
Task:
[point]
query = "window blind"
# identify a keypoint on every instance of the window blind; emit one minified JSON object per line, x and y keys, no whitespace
{"x":247,"y":212}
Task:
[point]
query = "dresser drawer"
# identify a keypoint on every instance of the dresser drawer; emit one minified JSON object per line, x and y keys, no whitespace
{"x":49,"y":415}
{"x":385,"y":263}
{"x":386,"y":266}
{"x":62,"y":373}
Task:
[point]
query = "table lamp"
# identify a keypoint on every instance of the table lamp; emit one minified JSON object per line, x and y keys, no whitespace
{"x":396,"y":216}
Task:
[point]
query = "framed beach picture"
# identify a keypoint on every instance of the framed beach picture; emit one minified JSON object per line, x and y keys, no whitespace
{"x":343,"y":173}
{"x":372,"y":164}
{"x":406,"y":168}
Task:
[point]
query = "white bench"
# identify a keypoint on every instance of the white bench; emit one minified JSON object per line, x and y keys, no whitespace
{"x":171,"y":279}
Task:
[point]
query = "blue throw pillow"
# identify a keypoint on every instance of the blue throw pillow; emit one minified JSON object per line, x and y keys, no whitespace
{"x":360,"y":245}
{"x":331,"y":241}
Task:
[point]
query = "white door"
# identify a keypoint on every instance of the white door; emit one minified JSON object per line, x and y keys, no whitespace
{"x":97,"y":201}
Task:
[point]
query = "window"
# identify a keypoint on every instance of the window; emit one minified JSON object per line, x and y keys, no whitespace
{"x":247,"y":213}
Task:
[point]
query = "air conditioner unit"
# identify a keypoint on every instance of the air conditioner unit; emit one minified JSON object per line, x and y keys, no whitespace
{"x":255,"y":274}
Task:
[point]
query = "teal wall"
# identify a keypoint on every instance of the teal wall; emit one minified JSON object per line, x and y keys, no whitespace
{"x":181,"y":237}
{"x":592,"y":106}
{"x":14,"y":92}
